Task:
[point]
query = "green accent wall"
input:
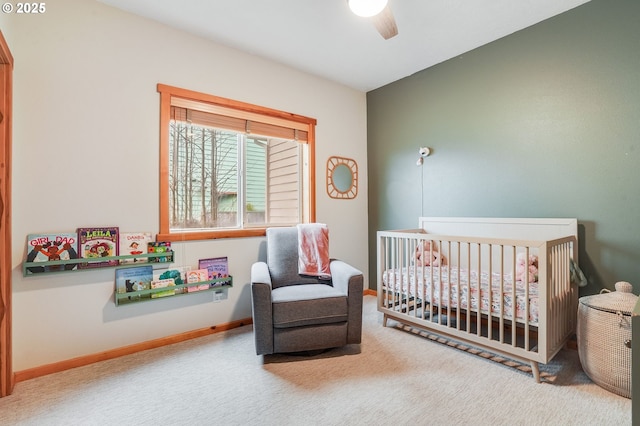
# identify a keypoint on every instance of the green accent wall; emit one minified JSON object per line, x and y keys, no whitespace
{"x":542,"y":123}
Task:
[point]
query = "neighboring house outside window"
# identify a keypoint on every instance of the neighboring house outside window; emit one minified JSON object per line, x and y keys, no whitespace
{"x":231,"y":169}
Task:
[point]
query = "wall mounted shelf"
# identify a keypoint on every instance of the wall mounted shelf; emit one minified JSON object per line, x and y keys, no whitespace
{"x":39,"y":267}
{"x":180,"y":290}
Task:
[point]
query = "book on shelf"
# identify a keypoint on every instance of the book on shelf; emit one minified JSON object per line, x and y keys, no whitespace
{"x":160,"y":247}
{"x":98,"y":242}
{"x":52,"y":247}
{"x":197,"y":276}
{"x":132,"y":243}
{"x":178,"y":274}
{"x":163,"y":283}
{"x":133,"y":279}
{"x":217,"y":267}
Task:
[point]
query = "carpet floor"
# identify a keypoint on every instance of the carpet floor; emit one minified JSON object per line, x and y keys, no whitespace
{"x":398,"y":375}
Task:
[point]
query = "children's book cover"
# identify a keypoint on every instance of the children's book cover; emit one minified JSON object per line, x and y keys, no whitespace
{"x":197,"y":276}
{"x":50,"y":247}
{"x":96,"y":243}
{"x":132,"y":243}
{"x":132,"y":279}
{"x":163,"y":283}
{"x":177,"y":274}
{"x":218,"y":267}
{"x":159,"y":247}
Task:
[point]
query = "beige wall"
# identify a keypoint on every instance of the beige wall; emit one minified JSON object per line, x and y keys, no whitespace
{"x":86,"y":154}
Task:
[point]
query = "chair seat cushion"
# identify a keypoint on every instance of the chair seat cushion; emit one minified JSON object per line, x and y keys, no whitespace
{"x":307,"y":304}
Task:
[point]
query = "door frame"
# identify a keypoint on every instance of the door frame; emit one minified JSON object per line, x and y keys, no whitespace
{"x":6,"y":114}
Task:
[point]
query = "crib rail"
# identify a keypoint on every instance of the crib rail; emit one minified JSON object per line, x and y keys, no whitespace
{"x":470,"y":290}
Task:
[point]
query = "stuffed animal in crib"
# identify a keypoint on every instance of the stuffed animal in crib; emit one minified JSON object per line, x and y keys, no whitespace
{"x":427,"y":254}
{"x":522,"y":265}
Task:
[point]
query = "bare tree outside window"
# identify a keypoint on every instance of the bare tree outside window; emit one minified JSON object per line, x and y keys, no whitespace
{"x":206,"y":190}
{"x":203,"y":177}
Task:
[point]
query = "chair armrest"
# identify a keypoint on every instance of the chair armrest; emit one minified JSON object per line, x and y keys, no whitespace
{"x":261,"y":308}
{"x":350,"y":281}
{"x":346,"y":278}
{"x":260,"y":273}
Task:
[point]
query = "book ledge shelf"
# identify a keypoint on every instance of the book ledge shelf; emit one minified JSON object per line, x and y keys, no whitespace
{"x":172,"y":291}
{"x":46,"y":267}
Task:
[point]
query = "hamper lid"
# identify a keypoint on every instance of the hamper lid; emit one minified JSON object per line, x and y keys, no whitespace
{"x":622,"y":300}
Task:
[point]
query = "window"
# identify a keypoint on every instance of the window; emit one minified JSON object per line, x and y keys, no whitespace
{"x":231,"y":169}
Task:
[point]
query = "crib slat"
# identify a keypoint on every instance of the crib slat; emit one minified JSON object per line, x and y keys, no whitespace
{"x":440,"y":289}
{"x":458,"y":296}
{"x":490,"y":295}
{"x":479,"y":297}
{"x":397,"y":287}
{"x":514,"y":303}
{"x":449,"y":284}
{"x":501,"y":295}
{"x":526,"y":299}
{"x":468,"y":268}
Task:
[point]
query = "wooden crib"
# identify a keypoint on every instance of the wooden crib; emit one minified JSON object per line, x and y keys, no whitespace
{"x":500,"y":284}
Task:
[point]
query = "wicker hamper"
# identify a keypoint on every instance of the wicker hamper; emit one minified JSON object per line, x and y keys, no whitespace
{"x":604,"y":337}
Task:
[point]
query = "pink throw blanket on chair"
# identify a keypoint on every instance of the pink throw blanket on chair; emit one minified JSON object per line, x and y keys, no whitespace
{"x":313,"y":250}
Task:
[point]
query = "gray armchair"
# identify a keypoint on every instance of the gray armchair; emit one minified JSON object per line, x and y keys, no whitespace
{"x":293,"y":313}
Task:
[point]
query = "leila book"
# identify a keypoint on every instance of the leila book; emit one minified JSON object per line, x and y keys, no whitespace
{"x":132,"y":243}
{"x":96,"y":243}
{"x":52,"y":247}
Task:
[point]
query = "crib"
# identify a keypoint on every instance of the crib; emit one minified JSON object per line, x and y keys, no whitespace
{"x":502,"y":284}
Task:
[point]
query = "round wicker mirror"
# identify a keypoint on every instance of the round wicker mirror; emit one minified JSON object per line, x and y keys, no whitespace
{"x":342,"y":178}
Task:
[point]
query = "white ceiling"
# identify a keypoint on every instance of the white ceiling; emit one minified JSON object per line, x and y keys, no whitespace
{"x":323,"y":37}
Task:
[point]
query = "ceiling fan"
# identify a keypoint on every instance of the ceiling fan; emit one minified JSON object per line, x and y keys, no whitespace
{"x":380,"y":13}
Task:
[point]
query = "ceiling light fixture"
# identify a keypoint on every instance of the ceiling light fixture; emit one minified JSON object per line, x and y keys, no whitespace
{"x":367,"y":8}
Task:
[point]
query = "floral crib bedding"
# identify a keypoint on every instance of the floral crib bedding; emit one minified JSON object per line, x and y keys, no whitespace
{"x":441,"y":285}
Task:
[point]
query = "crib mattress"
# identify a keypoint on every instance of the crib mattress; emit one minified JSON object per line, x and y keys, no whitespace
{"x":456,"y":288}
